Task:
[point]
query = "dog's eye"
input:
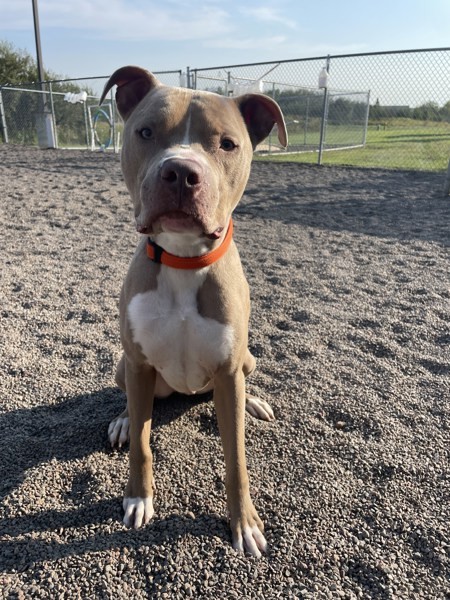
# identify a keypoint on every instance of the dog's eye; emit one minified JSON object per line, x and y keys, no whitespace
{"x":227,"y":145}
{"x":145,"y":133}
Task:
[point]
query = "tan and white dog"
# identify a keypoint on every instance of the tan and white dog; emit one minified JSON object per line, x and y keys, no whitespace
{"x":185,"y":302}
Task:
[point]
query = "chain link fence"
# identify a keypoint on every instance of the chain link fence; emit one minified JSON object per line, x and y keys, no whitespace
{"x":389,"y":109}
{"x":65,"y":113}
{"x":315,"y":118}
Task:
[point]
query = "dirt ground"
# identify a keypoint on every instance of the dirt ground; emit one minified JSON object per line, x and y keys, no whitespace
{"x":349,"y":272}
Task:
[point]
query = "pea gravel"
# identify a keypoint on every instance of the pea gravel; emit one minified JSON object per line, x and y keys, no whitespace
{"x":349,"y":272}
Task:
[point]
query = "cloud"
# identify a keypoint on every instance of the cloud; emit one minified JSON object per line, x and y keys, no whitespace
{"x":323,"y":49}
{"x":268,"y":15}
{"x":246,"y":43}
{"x":141,"y":21}
{"x":123,"y":20}
{"x":16,"y":15}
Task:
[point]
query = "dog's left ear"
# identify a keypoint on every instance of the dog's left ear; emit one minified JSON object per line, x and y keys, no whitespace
{"x":260,"y":114}
{"x":133,"y":83}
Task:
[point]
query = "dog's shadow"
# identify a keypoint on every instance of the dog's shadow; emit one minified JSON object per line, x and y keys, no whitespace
{"x":72,"y":429}
{"x":33,"y":549}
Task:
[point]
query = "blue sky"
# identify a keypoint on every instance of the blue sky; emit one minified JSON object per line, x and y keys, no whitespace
{"x":82,"y":38}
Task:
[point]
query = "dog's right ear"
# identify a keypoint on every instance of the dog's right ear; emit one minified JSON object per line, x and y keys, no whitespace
{"x":133,"y":83}
{"x":260,"y":114}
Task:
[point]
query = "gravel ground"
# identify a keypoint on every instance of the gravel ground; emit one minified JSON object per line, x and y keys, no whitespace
{"x":349,"y":271}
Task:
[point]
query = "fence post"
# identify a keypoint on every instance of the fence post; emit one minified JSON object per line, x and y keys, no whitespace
{"x":446,"y":189}
{"x":188,"y":78}
{"x":3,"y":120}
{"x":305,"y":124}
{"x":113,"y":122}
{"x":270,"y":134}
{"x":91,"y":129}
{"x":86,"y":126}
{"x":52,"y":106}
{"x":323,"y":124}
{"x":366,"y":120}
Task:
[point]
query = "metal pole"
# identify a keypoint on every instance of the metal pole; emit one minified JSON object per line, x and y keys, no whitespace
{"x":306,"y":121}
{"x":37,"y":36}
{"x":91,"y":126}
{"x":324,"y":116}
{"x":446,"y":189}
{"x":323,"y":124}
{"x":86,"y":126}
{"x":188,"y":78}
{"x":3,"y":120}
{"x":52,"y":105}
{"x":113,"y":122}
{"x":366,"y":120}
{"x":44,"y":123}
{"x":270,"y":134}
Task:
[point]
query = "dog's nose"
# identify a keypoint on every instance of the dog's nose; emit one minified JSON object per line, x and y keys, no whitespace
{"x":181,"y":174}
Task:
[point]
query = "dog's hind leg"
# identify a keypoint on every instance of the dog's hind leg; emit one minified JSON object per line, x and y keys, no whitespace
{"x":118,"y":430}
{"x":249,"y":364}
{"x":120,"y":374}
{"x":260,"y":409}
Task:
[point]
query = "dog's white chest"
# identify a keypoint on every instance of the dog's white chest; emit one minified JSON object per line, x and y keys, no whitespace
{"x":184,"y":347}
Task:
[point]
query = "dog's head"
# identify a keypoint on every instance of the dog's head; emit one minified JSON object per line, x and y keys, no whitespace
{"x":186,"y":154}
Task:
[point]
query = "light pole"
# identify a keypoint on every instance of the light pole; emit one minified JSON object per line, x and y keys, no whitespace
{"x":37,"y":37}
{"x":44,"y":121}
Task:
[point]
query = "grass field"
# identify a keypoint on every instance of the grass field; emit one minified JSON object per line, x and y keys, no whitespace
{"x":400,"y":144}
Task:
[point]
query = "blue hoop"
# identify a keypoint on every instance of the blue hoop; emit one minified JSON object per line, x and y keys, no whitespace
{"x":100,"y":112}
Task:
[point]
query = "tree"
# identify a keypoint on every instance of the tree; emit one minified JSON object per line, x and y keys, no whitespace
{"x":16,"y":66}
{"x":427,"y":112}
{"x":376,"y":112}
{"x":445,"y":111}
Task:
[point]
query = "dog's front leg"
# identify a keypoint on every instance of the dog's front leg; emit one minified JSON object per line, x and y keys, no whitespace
{"x":138,"y":500}
{"x":246,"y":527}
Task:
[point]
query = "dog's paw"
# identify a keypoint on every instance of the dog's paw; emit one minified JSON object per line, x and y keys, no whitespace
{"x":138,"y":511}
{"x":118,"y":431}
{"x":251,"y":540}
{"x":247,"y":533}
{"x":259,"y":408}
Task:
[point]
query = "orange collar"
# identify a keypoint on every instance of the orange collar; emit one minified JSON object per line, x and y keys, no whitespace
{"x":160,"y":256}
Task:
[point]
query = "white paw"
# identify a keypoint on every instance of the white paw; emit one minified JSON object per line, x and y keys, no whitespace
{"x":259,"y":409}
{"x":252,"y":540}
{"x":118,"y":431}
{"x":138,"y":511}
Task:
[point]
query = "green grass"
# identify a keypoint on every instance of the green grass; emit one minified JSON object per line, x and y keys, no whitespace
{"x":402,"y":144}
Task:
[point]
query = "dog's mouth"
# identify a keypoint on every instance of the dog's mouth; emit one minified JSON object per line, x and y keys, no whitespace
{"x":177,"y":221}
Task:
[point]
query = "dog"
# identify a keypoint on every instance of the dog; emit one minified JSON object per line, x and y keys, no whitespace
{"x":184,"y":304}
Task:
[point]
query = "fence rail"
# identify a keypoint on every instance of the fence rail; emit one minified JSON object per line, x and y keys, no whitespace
{"x":380,"y":109}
